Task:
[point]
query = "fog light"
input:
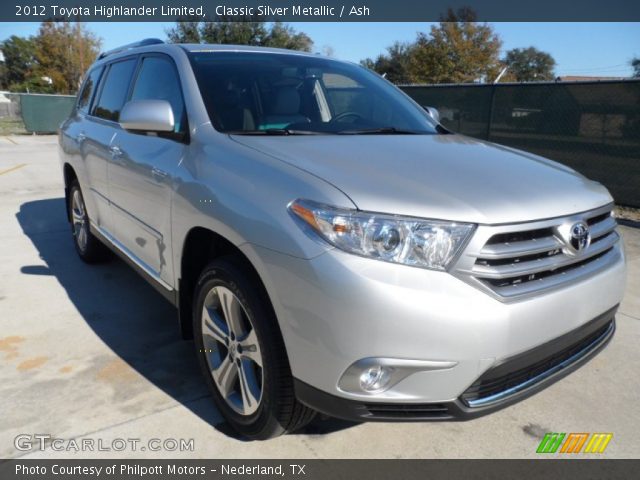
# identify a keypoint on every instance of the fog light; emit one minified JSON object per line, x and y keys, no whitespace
{"x":375,"y":378}
{"x":376,"y":375}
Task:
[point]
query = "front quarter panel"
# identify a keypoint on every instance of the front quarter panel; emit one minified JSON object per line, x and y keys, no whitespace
{"x":242,"y":195}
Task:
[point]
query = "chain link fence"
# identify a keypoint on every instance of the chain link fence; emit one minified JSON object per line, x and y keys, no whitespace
{"x":593,"y":127}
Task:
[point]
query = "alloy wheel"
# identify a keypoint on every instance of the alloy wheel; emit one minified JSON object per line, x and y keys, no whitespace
{"x":79,"y":220}
{"x":232,"y":350}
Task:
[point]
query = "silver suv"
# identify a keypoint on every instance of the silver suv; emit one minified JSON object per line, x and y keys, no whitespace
{"x":329,"y":246}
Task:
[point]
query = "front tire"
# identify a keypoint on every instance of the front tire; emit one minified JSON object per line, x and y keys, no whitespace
{"x":242,"y":354}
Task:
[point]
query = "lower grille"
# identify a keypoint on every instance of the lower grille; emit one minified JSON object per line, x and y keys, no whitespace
{"x":511,"y":377}
{"x":407,"y":411}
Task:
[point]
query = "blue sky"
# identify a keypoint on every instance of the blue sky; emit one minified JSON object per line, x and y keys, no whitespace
{"x":602,"y":49}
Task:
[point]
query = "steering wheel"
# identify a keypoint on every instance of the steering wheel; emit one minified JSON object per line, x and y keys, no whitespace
{"x":347,"y":114}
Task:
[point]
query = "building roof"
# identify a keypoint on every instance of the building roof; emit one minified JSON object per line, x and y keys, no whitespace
{"x":586,"y":78}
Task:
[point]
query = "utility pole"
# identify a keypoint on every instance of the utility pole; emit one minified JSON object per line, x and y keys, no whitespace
{"x":502,"y":72}
{"x":80,"y":46}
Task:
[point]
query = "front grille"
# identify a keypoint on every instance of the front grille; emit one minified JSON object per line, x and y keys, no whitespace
{"x":490,"y":385}
{"x":522,"y":260}
{"x":407,"y":411}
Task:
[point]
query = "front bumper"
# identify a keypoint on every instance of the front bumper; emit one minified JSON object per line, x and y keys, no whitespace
{"x":338,"y":308}
{"x":508,"y":382}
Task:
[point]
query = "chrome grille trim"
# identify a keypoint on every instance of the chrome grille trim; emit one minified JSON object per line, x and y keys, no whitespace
{"x":556,"y":281}
{"x":542,"y":264}
{"x":526,"y":247}
{"x":512,"y":261}
{"x":602,"y":228}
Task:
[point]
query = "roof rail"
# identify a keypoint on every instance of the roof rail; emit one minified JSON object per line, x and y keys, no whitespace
{"x":129,"y":46}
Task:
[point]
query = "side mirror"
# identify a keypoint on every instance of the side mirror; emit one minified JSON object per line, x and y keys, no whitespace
{"x":433,"y":113}
{"x":147,"y":116}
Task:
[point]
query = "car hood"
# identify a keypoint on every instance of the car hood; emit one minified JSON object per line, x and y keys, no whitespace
{"x":437,"y":176}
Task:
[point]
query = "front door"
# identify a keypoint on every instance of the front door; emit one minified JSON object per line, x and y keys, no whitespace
{"x":142,"y":170}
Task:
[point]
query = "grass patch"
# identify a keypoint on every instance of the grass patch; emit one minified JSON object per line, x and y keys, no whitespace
{"x":628,"y":213}
{"x":12,"y":126}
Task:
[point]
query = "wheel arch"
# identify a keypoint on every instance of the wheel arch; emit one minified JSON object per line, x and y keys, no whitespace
{"x":69,"y":175}
{"x":200,"y":247}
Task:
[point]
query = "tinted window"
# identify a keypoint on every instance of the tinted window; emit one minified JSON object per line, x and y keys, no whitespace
{"x":158,"y":80}
{"x":256,"y":92}
{"x":114,"y":91}
{"x":84,"y":98}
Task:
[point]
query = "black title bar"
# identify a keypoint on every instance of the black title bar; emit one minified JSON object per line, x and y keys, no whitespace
{"x":565,"y":469}
{"x":318,"y":10}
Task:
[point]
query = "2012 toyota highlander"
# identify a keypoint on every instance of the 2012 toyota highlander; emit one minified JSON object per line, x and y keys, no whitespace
{"x":328,"y":244}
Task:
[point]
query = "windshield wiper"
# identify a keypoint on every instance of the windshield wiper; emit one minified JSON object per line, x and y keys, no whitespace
{"x":380,"y":130}
{"x":276,"y":131}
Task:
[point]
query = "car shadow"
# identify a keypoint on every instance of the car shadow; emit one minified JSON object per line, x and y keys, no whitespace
{"x":128,"y":315}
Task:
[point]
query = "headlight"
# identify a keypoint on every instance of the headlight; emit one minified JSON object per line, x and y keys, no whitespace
{"x":422,"y":243}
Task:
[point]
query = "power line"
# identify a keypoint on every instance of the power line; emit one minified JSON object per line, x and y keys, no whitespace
{"x":595,"y":69}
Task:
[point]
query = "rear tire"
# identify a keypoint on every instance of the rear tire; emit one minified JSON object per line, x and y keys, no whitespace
{"x":89,"y":248}
{"x":242,"y":354}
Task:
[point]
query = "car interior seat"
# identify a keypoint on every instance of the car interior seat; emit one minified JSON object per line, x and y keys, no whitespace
{"x":285,"y":109}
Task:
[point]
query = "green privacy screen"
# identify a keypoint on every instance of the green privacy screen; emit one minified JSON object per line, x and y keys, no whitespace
{"x":593,"y":127}
{"x":45,"y":113}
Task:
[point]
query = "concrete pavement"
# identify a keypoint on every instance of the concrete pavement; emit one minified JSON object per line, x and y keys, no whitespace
{"x":92,"y":352}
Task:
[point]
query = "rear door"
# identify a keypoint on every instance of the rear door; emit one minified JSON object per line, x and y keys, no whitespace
{"x":75,"y":144}
{"x":100,"y":128}
{"x":141,"y":175}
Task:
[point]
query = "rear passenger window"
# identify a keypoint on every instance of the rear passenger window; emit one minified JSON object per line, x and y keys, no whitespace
{"x":158,"y":80}
{"x":114,"y":91}
{"x":84,"y":98}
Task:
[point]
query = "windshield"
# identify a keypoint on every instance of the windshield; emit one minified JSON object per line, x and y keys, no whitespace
{"x":271,"y":93}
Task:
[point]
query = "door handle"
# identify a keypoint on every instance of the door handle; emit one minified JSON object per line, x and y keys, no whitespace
{"x":158,"y":174}
{"x":115,"y":151}
{"x":81,"y":137}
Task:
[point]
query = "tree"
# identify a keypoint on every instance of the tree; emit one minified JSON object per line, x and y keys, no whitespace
{"x":184,"y":32}
{"x":635,"y":63}
{"x":19,"y":60}
{"x":457,"y":50}
{"x":63,"y":53}
{"x":234,"y":33}
{"x":282,"y":35}
{"x":393,"y":64}
{"x":529,"y":64}
{"x":34,"y":84}
{"x":327,"y":51}
{"x":247,"y":32}
{"x":54,"y":61}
